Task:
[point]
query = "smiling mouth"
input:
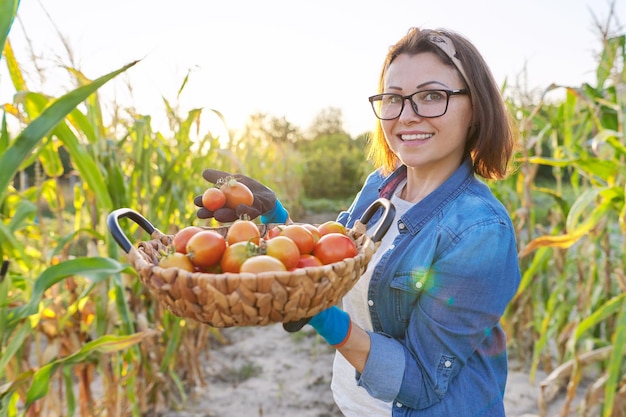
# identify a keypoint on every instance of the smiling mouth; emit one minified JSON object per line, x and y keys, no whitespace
{"x":421,"y":136}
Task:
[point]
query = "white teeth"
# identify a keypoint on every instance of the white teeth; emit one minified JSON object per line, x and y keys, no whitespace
{"x":420,"y":136}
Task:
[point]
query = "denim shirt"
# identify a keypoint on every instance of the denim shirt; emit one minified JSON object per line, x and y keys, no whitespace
{"x":436,"y":298}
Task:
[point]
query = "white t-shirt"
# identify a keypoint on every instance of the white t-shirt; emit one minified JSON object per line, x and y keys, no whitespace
{"x":352,"y":400}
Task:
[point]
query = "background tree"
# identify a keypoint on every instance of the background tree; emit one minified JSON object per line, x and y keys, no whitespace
{"x":335,"y":164}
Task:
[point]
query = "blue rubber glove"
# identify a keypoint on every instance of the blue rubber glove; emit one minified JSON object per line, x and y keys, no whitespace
{"x":334,"y":325}
{"x":276,"y":215}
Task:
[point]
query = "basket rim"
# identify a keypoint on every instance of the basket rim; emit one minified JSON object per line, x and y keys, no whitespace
{"x":362,"y":241}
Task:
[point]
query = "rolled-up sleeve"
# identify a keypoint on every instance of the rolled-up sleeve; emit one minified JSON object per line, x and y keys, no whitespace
{"x":382,"y":375}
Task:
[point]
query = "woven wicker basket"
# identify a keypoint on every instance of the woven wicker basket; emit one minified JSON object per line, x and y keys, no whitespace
{"x":245,"y":299}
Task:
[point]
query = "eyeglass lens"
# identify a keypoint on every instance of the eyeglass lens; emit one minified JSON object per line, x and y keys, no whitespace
{"x":429,"y":103}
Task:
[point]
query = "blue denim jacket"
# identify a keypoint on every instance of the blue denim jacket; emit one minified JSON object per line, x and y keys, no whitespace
{"x":436,"y":298}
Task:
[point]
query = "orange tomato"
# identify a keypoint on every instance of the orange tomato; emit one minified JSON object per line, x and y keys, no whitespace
{"x":205,"y":248}
{"x":301,"y":236}
{"x":262,"y":263}
{"x":283,"y":249}
{"x":236,"y":254}
{"x":181,"y":238}
{"x":213,"y":199}
{"x":176,"y":260}
{"x":334,"y":247}
{"x":236,"y":193}
{"x":314,"y":231}
{"x":243,"y":231}
{"x":331,"y":226}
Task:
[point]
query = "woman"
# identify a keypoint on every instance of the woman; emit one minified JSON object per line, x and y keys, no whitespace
{"x":419,"y":334}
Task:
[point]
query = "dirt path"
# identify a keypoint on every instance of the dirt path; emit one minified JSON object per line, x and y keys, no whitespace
{"x":265,"y":371}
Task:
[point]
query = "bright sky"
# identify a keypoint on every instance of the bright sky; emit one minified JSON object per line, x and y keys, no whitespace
{"x":294,"y":58}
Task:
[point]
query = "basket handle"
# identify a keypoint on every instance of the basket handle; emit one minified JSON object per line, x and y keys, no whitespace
{"x":116,"y":231}
{"x":387,"y":218}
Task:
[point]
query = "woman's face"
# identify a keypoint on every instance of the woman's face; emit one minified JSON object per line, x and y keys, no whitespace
{"x":427,"y":144}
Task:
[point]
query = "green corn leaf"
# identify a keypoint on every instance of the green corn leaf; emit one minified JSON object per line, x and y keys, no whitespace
{"x":608,"y":58}
{"x":4,"y":134}
{"x":615,"y":363}
{"x":537,"y":265}
{"x":51,"y":160}
{"x":599,"y":169}
{"x":8,"y":11}
{"x":11,"y":386}
{"x":560,"y":163}
{"x":578,"y":210}
{"x":32,"y":135}
{"x":70,"y":398}
{"x":24,"y":212}
{"x":16,"y":342}
{"x":174,"y":340}
{"x":104,"y":344}
{"x":575,"y":230}
{"x":70,"y":237}
{"x":94,"y":268}
{"x":613,"y":138}
{"x":600,"y":314}
{"x":9,"y":242}
{"x":86,"y":165}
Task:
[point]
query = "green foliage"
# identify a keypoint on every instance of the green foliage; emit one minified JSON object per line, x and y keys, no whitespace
{"x":8,"y":10}
{"x":335,"y":153}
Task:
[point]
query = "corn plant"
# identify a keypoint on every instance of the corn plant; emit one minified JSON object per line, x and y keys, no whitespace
{"x":74,"y":316}
{"x":571,"y":299}
{"x":62,"y":306}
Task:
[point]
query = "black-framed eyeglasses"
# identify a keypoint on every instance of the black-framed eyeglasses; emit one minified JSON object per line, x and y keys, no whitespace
{"x":425,"y":103}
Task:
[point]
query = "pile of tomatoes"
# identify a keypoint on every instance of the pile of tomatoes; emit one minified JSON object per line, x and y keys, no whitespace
{"x":283,"y":248}
{"x":227,"y":192}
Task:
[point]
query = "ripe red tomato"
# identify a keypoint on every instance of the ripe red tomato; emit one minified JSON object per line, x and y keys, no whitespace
{"x":236,"y":193}
{"x":334,"y":247}
{"x":236,"y":254}
{"x":243,"y":231}
{"x":213,"y":199}
{"x":176,"y":260}
{"x":331,"y":226}
{"x":262,"y":263}
{"x":283,"y":249}
{"x":307,"y":260}
{"x":274,"y":231}
{"x":205,"y":248}
{"x":299,"y":234}
{"x":181,"y":237}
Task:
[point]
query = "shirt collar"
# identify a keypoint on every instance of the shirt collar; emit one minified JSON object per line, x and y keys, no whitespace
{"x":433,"y":203}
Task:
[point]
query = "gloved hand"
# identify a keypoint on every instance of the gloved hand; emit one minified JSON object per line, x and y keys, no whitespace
{"x":265,"y":202}
{"x":333,"y":324}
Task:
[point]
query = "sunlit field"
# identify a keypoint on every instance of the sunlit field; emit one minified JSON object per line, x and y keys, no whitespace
{"x":73,"y":314}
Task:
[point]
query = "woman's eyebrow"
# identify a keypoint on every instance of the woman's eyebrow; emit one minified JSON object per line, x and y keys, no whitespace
{"x":430,"y":82}
{"x":391,"y":87}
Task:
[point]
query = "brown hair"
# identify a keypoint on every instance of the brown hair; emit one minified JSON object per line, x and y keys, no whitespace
{"x":491,"y":139}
